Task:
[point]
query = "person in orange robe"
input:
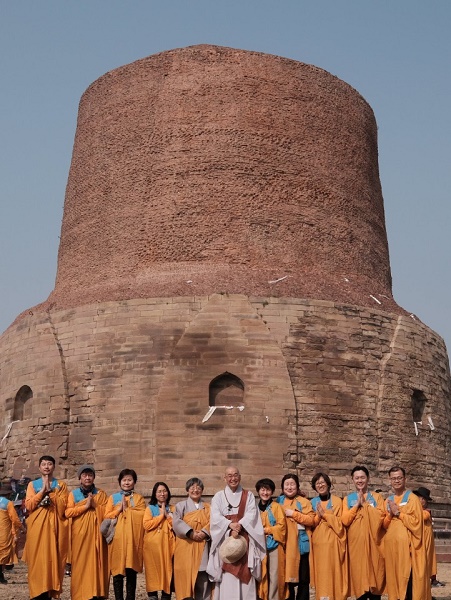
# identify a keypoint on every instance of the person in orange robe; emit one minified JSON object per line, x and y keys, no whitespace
{"x":328,"y":555}
{"x":191,"y":525}
{"x":159,"y":543}
{"x":428,"y":535}
{"x":406,"y":570}
{"x":272,"y":585}
{"x":300,"y":517}
{"x":125,"y":552}
{"x":10,"y":525}
{"x":86,"y":507}
{"x":47,"y":532}
{"x":363,"y":516}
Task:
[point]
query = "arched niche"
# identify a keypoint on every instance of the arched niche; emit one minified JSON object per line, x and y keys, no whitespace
{"x":226,"y":390}
{"x":22,"y":404}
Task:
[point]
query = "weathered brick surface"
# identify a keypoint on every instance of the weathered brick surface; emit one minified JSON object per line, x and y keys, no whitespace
{"x":336,"y":389}
{"x":209,"y":169}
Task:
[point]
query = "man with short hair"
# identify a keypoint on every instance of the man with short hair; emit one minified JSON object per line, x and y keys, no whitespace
{"x":47,"y":532}
{"x":234,"y":513}
{"x":363,"y":515}
{"x":404,"y":550}
{"x":86,"y":507}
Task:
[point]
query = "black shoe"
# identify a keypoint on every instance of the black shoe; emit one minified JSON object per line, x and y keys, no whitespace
{"x":3,"y":580}
{"x":437,"y":583}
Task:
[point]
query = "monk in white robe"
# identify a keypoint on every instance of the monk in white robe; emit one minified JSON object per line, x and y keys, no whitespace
{"x":234,"y":512}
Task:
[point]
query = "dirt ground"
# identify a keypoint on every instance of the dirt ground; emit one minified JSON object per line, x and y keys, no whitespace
{"x":17,"y":589}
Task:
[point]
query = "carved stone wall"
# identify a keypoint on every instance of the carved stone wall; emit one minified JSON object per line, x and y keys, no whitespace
{"x":326,"y":386}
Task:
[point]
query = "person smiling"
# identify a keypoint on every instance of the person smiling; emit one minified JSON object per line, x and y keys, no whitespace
{"x":363,"y":516}
{"x":191,"y":523}
{"x":89,"y":552}
{"x":300,"y":515}
{"x":234,"y":513}
{"x":328,"y":555}
{"x":272,"y":585}
{"x":159,"y":542}
{"x":405,"y":553}
{"x":125,"y":552}
{"x":47,"y":532}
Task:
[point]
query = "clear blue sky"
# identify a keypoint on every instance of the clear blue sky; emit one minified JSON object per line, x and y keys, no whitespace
{"x":397,"y":54}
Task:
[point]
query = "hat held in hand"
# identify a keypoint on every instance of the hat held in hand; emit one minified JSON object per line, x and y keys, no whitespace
{"x":232,"y":549}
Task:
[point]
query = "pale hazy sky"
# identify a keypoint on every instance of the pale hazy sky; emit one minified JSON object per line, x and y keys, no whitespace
{"x":397,"y":54}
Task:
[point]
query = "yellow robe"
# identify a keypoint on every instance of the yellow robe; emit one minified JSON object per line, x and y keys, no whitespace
{"x":90,"y":576}
{"x":47,"y":540}
{"x":428,"y":537}
{"x":328,"y":554}
{"x":188,"y":554}
{"x":9,"y":525}
{"x":279,"y":533}
{"x":405,"y":552}
{"x":364,"y":536}
{"x":159,"y":546}
{"x":304,"y":517}
{"x":126,"y":549}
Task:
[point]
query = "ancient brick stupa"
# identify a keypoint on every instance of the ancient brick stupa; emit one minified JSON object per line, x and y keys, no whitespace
{"x":223,"y":292}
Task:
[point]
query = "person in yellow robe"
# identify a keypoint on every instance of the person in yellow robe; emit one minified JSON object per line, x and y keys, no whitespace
{"x":125,"y":552}
{"x":86,"y":508}
{"x":406,"y":571}
{"x":272,"y":585}
{"x":10,"y":525}
{"x":159,"y":542}
{"x":191,"y":525}
{"x":328,"y":555}
{"x":300,"y":518}
{"x":363,"y":516}
{"x":47,"y":532}
{"x":428,"y":535}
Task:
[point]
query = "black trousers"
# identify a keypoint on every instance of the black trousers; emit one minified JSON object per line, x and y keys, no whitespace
{"x":304,"y":581}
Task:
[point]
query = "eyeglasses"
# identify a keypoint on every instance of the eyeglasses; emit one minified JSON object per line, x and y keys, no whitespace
{"x":397,"y":479}
{"x":233,"y":476}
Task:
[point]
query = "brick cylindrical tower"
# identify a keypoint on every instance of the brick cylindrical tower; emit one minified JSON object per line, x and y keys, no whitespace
{"x":223,"y":293}
{"x":227,"y":169}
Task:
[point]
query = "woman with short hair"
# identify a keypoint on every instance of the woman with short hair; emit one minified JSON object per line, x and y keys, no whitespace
{"x":328,"y":556}
{"x":125,"y":551}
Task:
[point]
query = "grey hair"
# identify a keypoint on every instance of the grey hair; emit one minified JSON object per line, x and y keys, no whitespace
{"x":194,"y":481}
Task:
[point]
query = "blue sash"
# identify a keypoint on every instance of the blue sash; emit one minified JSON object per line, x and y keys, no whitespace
{"x":3,"y":503}
{"x":403,"y":500}
{"x":352,"y":499}
{"x":271,"y":543}
{"x":78,"y":494}
{"x":155,"y":509}
{"x":303,"y":538}
{"x":38,"y":484}
{"x":117,"y":498}
{"x":316,"y":500}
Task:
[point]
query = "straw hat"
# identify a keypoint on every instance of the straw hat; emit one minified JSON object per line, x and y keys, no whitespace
{"x":232,"y":549}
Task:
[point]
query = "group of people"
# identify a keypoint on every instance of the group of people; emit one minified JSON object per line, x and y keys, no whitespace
{"x":238,"y":548}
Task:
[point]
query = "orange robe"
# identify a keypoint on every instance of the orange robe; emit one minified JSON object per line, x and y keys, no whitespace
{"x":305,"y":517}
{"x":364,"y":536}
{"x":126,"y":549}
{"x":188,"y":554}
{"x":47,"y":539}
{"x":159,"y":546}
{"x":9,"y":525}
{"x":279,"y":533}
{"x":428,"y":537}
{"x":90,"y":575}
{"x":404,"y":550}
{"x":328,"y":553}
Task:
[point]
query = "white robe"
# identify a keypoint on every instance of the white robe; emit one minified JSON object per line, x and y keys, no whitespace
{"x":227,"y":586}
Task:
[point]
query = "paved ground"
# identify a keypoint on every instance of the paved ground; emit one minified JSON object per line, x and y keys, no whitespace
{"x":17,"y":589}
